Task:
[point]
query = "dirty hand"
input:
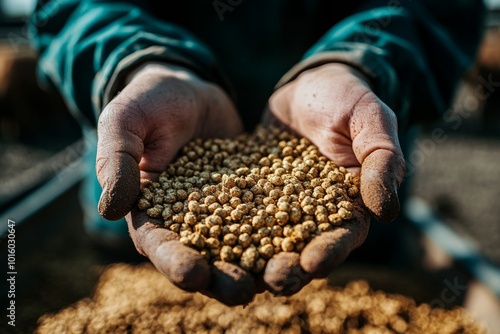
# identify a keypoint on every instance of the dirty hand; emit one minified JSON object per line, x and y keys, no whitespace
{"x":139,"y":132}
{"x":335,"y":108}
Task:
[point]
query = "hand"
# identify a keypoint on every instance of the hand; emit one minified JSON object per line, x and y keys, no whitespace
{"x":139,"y":132}
{"x":186,"y":267}
{"x":335,"y":108}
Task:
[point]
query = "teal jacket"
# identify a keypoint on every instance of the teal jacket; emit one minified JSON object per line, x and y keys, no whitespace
{"x":414,"y":51}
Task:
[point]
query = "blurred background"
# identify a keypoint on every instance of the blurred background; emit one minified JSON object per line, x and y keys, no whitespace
{"x":452,"y":216}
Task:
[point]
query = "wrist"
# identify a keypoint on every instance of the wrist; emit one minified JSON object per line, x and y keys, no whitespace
{"x":152,"y":75}
{"x":341,"y":69}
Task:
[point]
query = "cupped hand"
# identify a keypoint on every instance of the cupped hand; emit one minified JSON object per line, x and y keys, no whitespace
{"x":140,"y":131}
{"x":334,"y":106}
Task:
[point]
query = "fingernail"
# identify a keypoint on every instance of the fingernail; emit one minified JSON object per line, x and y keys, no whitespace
{"x":395,"y":185}
{"x":103,"y":202}
{"x":391,"y":208}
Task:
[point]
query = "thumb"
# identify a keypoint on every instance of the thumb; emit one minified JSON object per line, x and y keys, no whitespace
{"x":119,"y":150}
{"x":381,"y":174}
{"x":373,"y":129}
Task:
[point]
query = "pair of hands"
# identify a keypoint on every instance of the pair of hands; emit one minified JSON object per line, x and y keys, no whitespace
{"x":163,"y":107}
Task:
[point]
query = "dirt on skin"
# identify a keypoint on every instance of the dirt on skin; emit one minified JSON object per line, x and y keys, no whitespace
{"x":120,"y":194}
{"x":138,"y":299}
{"x":379,"y":185}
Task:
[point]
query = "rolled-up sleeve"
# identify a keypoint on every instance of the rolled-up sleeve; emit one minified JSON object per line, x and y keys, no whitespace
{"x":413,"y":52}
{"x":87,"y":47}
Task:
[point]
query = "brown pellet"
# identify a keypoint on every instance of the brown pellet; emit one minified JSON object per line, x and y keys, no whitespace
{"x":243,"y":200}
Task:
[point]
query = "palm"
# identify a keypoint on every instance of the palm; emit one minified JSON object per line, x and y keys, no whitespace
{"x":335,"y":108}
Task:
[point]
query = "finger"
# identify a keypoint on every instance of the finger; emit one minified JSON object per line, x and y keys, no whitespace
{"x":284,"y":275}
{"x":230,"y":284}
{"x":373,"y":128}
{"x":183,"y":266}
{"x":119,"y":150}
{"x":329,"y":249}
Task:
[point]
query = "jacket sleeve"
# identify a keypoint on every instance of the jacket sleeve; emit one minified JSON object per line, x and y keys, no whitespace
{"x":87,"y":46}
{"x":414,"y":52}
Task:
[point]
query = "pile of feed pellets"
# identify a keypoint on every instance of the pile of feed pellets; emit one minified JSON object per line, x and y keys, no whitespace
{"x":245,"y":199}
{"x":138,"y":299}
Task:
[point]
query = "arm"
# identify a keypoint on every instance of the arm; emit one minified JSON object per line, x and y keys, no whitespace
{"x":88,"y":47}
{"x":413,"y":52}
{"x":89,"y":51}
{"x":382,"y":67}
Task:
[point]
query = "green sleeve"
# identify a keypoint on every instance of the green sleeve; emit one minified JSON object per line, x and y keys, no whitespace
{"x":85,"y":48}
{"x":414,"y":52}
